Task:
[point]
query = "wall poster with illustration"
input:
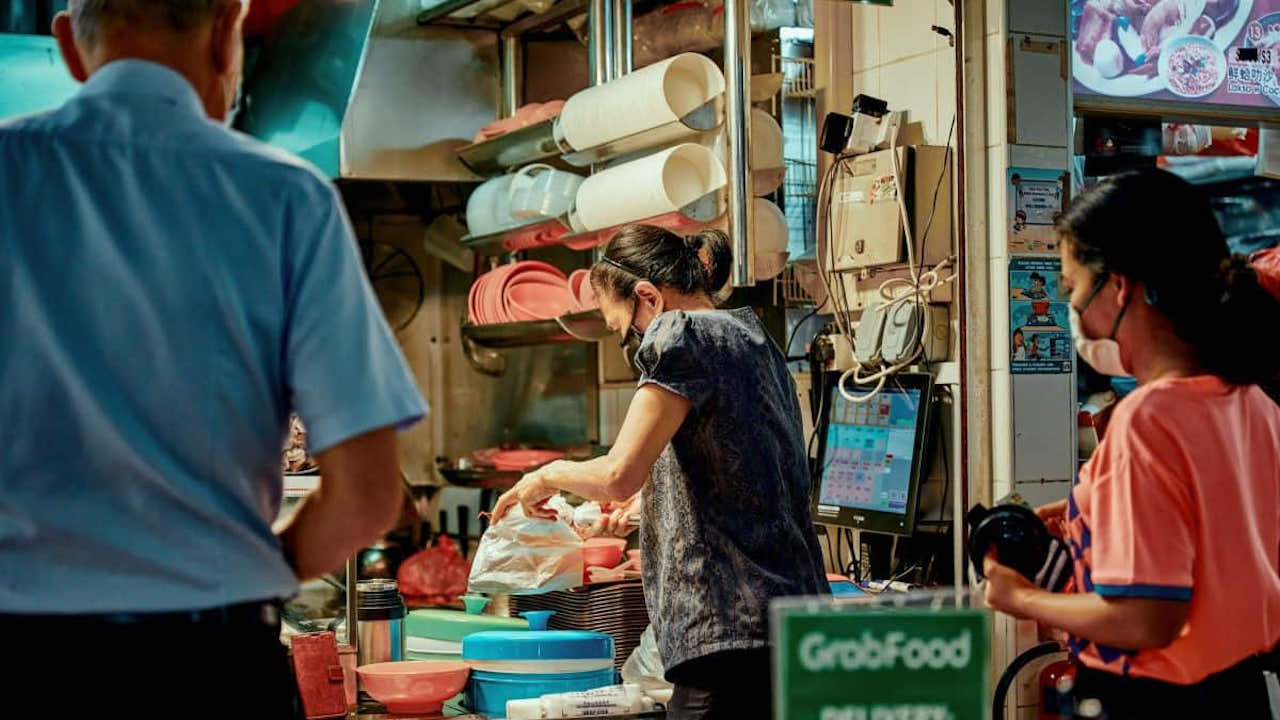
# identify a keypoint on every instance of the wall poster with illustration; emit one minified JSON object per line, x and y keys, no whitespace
{"x":1035,"y":199}
{"x":1039,"y":318}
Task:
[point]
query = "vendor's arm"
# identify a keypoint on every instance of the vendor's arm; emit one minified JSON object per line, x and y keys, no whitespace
{"x":1132,"y":623}
{"x":1139,"y":539}
{"x":652,"y":420}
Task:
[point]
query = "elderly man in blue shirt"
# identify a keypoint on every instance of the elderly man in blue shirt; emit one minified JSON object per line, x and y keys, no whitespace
{"x":170,"y":291}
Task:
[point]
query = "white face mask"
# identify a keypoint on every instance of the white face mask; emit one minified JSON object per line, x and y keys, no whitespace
{"x":1102,"y":354}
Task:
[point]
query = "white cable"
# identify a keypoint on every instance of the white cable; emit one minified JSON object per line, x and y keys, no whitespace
{"x":900,"y":192}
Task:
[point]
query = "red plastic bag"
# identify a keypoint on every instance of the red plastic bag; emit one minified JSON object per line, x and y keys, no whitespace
{"x":434,"y":576}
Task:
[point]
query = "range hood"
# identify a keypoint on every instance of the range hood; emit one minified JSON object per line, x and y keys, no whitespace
{"x":357,"y":88}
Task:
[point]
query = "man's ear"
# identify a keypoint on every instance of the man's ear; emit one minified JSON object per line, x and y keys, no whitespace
{"x":66,"y":38}
{"x":226,"y":36}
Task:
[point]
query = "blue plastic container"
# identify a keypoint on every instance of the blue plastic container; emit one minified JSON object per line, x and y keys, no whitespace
{"x":489,"y":692}
{"x":519,"y":665}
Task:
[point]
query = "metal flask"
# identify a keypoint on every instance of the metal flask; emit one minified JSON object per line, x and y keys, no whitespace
{"x":380,"y":621}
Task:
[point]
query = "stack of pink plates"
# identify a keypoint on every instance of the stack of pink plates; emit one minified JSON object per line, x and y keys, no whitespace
{"x":527,"y":291}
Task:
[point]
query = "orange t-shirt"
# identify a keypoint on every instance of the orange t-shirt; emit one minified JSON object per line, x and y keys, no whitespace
{"x":1181,"y":501}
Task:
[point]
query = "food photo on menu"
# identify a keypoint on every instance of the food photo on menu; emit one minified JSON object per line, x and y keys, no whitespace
{"x":1224,"y":52}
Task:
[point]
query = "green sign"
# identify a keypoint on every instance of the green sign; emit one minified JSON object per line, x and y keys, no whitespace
{"x":879,"y":663}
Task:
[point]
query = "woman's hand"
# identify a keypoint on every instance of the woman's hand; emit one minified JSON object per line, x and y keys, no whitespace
{"x":1054,"y":516}
{"x":1004,"y":588}
{"x":531,"y":494}
{"x":617,"y":519}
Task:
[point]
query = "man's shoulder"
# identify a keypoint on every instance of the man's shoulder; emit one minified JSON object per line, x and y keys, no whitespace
{"x":260,"y":158}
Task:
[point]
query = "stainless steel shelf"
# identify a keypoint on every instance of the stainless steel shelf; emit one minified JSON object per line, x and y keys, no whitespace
{"x":575,"y":327}
{"x":704,"y":211}
{"x":481,"y":478}
{"x":545,"y":140}
{"x":518,"y":147}
{"x":540,"y":233}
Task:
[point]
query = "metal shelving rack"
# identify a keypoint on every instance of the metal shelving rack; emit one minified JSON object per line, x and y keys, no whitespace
{"x":706,"y":210}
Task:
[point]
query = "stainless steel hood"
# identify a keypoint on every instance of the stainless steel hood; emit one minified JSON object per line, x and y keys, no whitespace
{"x":363,"y":92}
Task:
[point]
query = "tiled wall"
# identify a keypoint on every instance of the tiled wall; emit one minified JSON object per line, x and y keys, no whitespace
{"x":896,"y":56}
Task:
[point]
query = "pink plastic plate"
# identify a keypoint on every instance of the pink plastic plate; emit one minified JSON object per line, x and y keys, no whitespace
{"x":521,"y":460}
{"x":538,"y":301}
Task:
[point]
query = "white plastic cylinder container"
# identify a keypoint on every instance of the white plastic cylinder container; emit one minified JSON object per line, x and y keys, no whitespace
{"x":614,"y":700}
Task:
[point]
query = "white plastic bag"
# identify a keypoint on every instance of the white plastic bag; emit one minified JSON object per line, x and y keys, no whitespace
{"x":527,"y":556}
{"x":644,"y":667}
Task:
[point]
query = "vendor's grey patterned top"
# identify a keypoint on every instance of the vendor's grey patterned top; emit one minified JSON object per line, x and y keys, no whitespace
{"x":726,"y":524}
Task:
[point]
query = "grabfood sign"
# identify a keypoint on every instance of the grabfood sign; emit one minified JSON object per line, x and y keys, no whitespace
{"x":905,"y":664}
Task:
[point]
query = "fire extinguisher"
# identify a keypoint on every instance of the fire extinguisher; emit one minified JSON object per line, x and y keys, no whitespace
{"x":1057,"y":681}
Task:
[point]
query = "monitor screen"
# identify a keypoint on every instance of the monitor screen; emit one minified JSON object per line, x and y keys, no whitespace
{"x":870,"y":457}
{"x":1143,"y":53}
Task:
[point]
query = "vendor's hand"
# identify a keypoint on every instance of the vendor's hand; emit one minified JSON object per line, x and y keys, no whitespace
{"x":1004,"y":588}
{"x":531,"y":494}
{"x":1054,"y":516}
{"x":617,"y":519}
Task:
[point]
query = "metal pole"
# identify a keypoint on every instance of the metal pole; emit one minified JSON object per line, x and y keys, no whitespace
{"x":353,"y":632}
{"x":512,"y":75}
{"x":599,"y":41}
{"x":622,"y":58}
{"x":737,"y":73}
{"x":976,"y":466}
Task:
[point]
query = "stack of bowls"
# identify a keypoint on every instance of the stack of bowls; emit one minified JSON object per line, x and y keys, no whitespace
{"x":526,"y":291}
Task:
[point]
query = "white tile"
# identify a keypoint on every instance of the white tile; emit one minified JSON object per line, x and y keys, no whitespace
{"x":946,"y":64}
{"x":865,"y":36}
{"x":912,"y":85}
{"x":997,"y":200}
{"x":866,"y":82}
{"x":997,"y":104}
{"x":905,"y":29}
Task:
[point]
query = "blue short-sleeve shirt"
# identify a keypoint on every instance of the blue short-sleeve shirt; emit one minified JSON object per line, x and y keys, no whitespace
{"x":726,"y":522}
{"x":169,"y":291}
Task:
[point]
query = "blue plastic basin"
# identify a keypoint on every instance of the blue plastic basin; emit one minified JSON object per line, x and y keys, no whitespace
{"x":488,"y":692}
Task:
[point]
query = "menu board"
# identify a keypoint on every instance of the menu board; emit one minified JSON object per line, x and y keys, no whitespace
{"x":1196,"y":52}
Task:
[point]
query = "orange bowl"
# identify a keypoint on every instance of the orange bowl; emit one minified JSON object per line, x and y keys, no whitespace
{"x":603,"y":552}
{"x":419,"y":686}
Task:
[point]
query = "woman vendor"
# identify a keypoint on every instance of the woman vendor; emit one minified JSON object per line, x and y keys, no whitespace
{"x":714,"y":438}
{"x":1174,"y":522}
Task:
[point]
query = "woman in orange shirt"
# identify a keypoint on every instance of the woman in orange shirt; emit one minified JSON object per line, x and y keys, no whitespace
{"x":1174,"y":523}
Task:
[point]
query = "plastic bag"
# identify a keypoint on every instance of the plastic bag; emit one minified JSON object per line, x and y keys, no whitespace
{"x":434,"y":576}
{"x":644,"y":667}
{"x":527,"y":556}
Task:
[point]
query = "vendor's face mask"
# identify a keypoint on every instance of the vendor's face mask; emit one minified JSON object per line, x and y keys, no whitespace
{"x":631,"y":337}
{"x":1102,"y":354}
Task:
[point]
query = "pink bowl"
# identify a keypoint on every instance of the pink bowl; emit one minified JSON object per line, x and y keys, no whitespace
{"x":603,"y":552}
{"x":538,"y":300}
{"x":414,"y":687}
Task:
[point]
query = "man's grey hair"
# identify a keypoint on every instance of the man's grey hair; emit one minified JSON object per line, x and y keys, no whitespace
{"x":90,"y":18}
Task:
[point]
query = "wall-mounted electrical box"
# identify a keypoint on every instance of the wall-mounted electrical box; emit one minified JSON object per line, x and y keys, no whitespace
{"x":866,"y":221}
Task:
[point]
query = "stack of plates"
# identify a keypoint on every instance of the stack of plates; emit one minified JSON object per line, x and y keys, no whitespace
{"x":526,"y":291}
{"x":616,"y":609}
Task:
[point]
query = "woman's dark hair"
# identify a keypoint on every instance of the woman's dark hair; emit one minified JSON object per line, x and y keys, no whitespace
{"x":1155,"y":228}
{"x":697,"y":263}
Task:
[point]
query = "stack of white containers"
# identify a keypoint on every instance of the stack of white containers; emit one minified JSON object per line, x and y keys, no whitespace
{"x":644,"y":186}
